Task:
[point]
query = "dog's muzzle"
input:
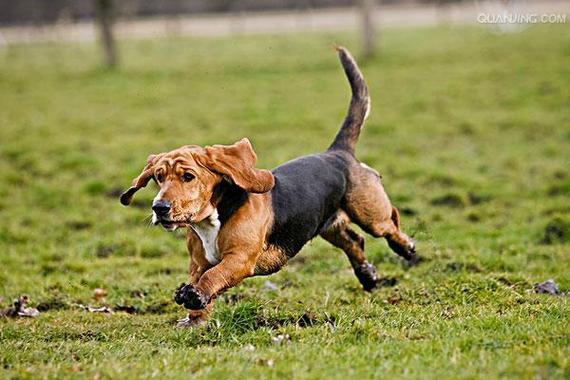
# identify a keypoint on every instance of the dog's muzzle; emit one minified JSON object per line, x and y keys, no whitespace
{"x":161,"y":211}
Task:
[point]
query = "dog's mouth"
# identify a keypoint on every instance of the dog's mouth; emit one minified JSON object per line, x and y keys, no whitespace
{"x":167,"y":223}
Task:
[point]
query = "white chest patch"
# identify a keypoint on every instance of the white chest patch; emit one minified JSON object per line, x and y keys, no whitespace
{"x":208,"y":230}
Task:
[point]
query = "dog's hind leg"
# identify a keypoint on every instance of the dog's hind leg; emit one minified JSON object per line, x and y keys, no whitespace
{"x":338,"y":233}
{"x":398,"y":241}
{"x":368,"y":205}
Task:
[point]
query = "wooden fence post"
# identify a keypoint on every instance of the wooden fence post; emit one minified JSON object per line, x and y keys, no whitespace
{"x":105,"y":19}
{"x":368,"y":28}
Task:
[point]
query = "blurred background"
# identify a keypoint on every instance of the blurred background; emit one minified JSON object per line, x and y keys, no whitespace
{"x":68,"y":20}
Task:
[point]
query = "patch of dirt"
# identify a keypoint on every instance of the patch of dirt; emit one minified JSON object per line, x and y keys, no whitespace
{"x":272,"y":322}
{"x":104,"y":251}
{"x":49,"y":268}
{"x":129,"y":309}
{"x":466,"y":128}
{"x":505,"y":281}
{"x":408,"y":211}
{"x":158,"y":308}
{"x":53,"y":303}
{"x":394,"y":299}
{"x":474,"y":217}
{"x":90,"y":335}
{"x":556,"y":231}
{"x":559,"y":189}
{"x":308,"y":319}
{"x":512,"y":283}
{"x":476,"y":199}
{"x":166,"y":271}
{"x":457,"y":266}
{"x":449,"y":200}
{"x":231,"y":298}
{"x":557,"y":210}
{"x":78,"y":225}
{"x":151,"y":252}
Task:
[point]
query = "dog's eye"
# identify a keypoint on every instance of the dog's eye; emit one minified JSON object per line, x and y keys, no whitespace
{"x":187,"y":177}
{"x":159,"y":177}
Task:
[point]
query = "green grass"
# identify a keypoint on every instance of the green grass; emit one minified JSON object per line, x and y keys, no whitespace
{"x":471,"y":131}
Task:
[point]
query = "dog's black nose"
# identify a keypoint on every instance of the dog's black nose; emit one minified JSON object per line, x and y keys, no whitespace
{"x":161,"y":207}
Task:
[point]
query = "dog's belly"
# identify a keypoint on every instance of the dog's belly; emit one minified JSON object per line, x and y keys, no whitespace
{"x":307,"y":192}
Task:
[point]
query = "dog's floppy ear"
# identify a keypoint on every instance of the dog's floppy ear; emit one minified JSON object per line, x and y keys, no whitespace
{"x":142,"y":180}
{"x":237,"y":162}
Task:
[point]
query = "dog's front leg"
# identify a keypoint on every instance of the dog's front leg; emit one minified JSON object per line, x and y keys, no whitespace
{"x":198,"y":265}
{"x":233,"y":268}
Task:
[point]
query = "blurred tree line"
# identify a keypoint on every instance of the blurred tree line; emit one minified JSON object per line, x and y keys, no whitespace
{"x":105,"y":12}
{"x":49,"y":11}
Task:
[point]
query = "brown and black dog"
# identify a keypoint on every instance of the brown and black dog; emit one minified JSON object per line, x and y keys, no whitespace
{"x":245,"y":221}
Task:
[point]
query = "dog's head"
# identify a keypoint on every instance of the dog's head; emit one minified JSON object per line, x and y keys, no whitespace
{"x":188,"y":177}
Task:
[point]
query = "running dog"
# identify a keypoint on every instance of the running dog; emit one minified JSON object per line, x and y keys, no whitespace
{"x":243,"y":221}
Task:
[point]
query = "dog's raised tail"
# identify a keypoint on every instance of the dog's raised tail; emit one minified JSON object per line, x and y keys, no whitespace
{"x":359,"y":107}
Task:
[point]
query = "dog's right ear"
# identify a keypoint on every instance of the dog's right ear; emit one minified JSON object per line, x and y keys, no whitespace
{"x":142,"y":180}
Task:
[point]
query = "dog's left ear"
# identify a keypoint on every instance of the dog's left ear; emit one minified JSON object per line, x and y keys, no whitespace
{"x":237,"y":162}
{"x":142,"y":180}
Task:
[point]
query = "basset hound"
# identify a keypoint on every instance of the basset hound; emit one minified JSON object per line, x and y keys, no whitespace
{"x":244,"y":221}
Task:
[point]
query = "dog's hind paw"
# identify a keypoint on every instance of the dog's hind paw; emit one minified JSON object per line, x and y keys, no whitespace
{"x":367,"y":276}
{"x":190,"y":297}
{"x":407,"y":250}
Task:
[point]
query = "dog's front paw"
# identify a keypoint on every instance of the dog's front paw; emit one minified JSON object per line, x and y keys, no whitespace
{"x":179,"y":294}
{"x":190,"y":297}
{"x":367,"y":276}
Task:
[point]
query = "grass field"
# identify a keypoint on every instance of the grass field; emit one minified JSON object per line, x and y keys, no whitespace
{"x":470,"y":130}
